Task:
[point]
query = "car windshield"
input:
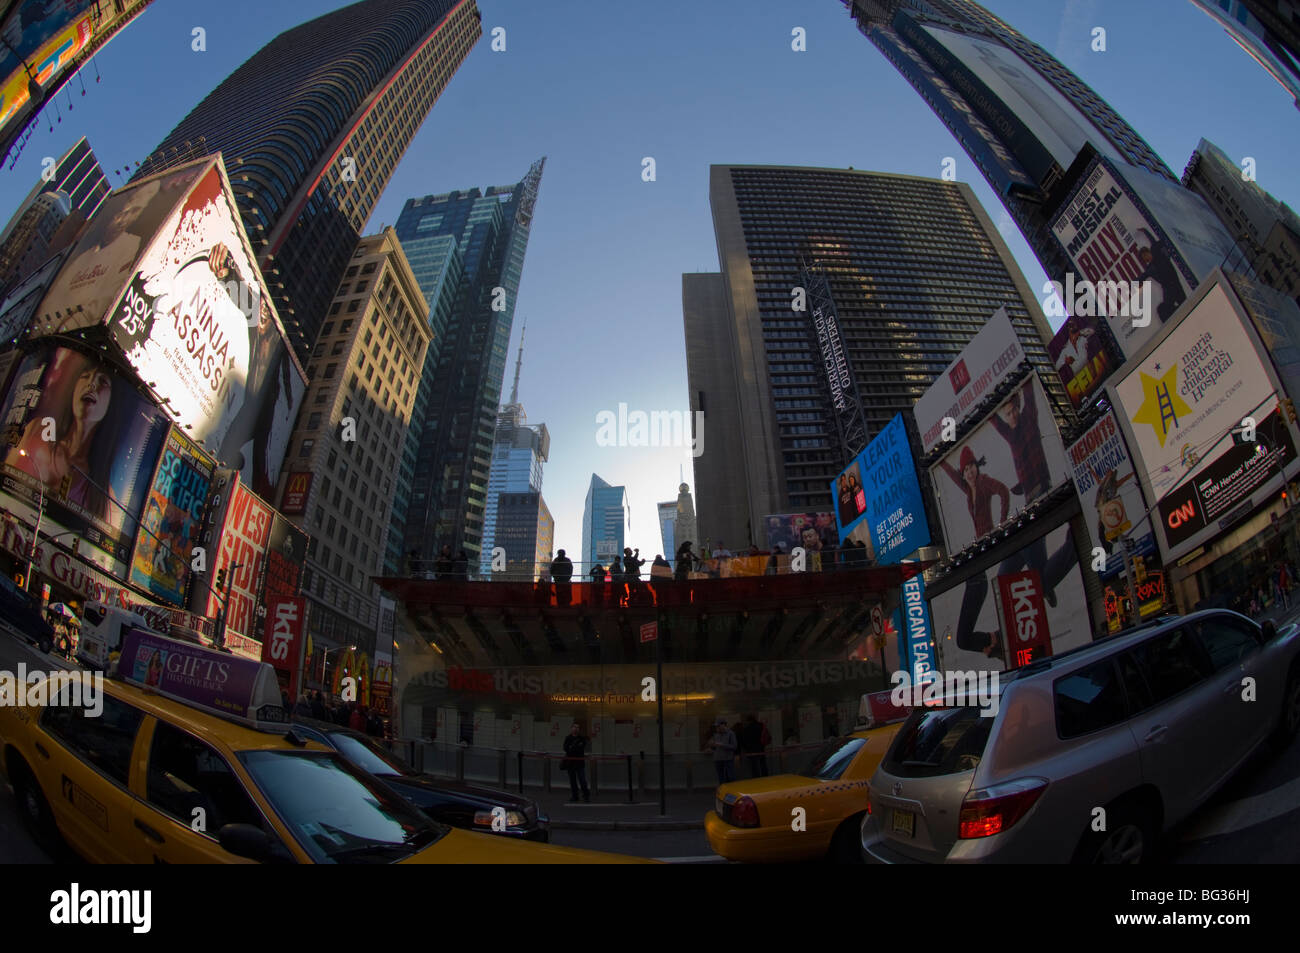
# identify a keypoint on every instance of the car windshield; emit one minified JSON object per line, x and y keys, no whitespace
{"x":337,"y":812}
{"x":369,"y":755}
{"x":831,"y":761}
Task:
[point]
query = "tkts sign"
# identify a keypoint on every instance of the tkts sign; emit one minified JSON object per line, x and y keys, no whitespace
{"x":283,"y":644}
{"x":1024,"y":617}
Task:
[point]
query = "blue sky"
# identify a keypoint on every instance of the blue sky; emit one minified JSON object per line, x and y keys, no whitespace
{"x":596,"y":86}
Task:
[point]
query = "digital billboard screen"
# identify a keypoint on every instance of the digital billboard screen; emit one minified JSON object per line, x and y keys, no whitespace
{"x":173,"y":514}
{"x":1082,"y":356}
{"x":1110,"y":493}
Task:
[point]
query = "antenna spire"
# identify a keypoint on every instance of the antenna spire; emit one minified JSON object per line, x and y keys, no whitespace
{"x":519,"y":363}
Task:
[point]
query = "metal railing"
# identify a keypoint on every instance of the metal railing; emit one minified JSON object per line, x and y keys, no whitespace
{"x":625,"y":773}
{"x":741,"y":564}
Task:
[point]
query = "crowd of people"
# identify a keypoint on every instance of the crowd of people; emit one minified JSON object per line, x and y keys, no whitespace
{"x":352,"y":715}
{"x":1270,"y":589}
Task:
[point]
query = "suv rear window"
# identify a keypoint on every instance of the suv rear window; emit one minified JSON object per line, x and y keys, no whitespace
{"x":939,"y":741}
{"x":1088,"y":700}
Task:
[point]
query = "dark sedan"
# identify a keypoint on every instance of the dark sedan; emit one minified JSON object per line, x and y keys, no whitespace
{"x":451,"y":802}
{"x":22,"y":613}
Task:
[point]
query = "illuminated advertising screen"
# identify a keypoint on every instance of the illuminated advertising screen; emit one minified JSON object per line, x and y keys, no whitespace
{"x":80,"y":436}
{"x":172,"y":516}
{"x":996,"y":619}
{"x":880,"y":494}
{"x":1012,"y":458}
{"x":813,"y":531}
{"x":46,"y":36}
{"x":1081,"y":354}
{"x":993,"y":355}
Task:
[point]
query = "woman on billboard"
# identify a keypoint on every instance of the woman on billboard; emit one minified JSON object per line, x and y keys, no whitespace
{"x":77,"y":409}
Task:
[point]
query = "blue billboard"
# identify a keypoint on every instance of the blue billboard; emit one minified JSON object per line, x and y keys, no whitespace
{"x":915,"y":633}
{"x":879,"y":497}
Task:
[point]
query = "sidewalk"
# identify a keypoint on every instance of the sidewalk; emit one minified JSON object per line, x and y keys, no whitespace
{"x":607,"y":812}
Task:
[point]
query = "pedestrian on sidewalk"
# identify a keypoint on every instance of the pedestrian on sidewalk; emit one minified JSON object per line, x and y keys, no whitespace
{"x":754,"y":739}
{"x":575,"y":762}
{"x":723,"y":746}
{"x":562,"y":572}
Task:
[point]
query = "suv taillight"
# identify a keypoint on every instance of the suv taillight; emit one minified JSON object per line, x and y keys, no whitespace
{"x":992,"y":810}
{"x":744,"y":813}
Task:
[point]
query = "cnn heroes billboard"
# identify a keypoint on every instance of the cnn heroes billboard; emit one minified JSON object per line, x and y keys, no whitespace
{"x":992,"y":355}
{"x":188,"y":308}
{"x":1188,"y":405}
{"x":878,"y":496}
{"x":1110,"y":493}
{"x":1006,"y":463}
{"x":80,"y":438}
{"x":1031,"y":605}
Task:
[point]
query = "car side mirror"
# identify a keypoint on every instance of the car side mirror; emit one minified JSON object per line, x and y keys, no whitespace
{"x":1270,"y":630}
{"x":245,"y":840}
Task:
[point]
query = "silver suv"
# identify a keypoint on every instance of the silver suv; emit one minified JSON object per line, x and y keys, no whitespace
{"x":1092,"y":753}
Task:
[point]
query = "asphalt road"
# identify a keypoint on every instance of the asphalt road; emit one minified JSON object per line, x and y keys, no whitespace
{"x":1254,"y":819}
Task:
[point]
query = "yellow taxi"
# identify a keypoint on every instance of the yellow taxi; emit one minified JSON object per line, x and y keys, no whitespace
{"x":797,"y":817}
{"x":130,"y":769}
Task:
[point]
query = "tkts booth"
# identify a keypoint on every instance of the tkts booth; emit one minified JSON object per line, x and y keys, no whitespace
{"x":1206,"y":407}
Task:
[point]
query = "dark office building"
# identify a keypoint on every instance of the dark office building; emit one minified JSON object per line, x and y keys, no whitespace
{"x":1019,"y":113}
{"x":467,"y":251}
{"x":915,"y":268}
{"x":312,"y":127}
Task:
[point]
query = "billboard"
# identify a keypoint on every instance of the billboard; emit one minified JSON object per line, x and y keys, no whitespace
{"x":918,"y":631}
{"x":296,"y":491}
{"x":286,"y":551}
{"x":284,"y":641}
{"x":1038,"y":587}
{"x":22,"y":300}
{"x":1109,"y":492}
{"x":1116,"y":245}
{"x":80,"y":436}
{"x":47,"y":37}
{"x":813,"y":531}
{"x":1081,"y":354}
{"x":173,"y":514}
{"x":245,"y":529}
{"x":879,"y":492}
{"x":1025,"y":100}
{"x":1006,"y":463}
{"x":104,"y":259}
{"x":1184,"y":398}
{"x":992,"y":355}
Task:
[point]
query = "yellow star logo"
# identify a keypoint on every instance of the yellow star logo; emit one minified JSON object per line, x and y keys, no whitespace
{"x":1161,"y":405}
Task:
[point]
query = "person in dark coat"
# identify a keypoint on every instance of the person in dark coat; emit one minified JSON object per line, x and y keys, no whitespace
{"x":303,"y":708}
{"x":442,"y":568}
{"x":598,"y":576}
{"x":575,"y":762}
{"x":617,"y":583}
{"x":562,"y":573}
{"x":318,"y":707}
{"x":460,"y":567}
{"x":685,"y":562}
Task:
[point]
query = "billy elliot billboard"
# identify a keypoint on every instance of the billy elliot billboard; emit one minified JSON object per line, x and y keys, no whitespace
{"x":878,"y":497}
{"x":168,"y":267}
{"x":1125,"y":267}
{"x":993,"y":355}
{"x":1011,"y":459}
{"x":173,"y":515}
{"x":1109,"y":493}
{"x":80,"y":438}
{"x":1201,"y":410}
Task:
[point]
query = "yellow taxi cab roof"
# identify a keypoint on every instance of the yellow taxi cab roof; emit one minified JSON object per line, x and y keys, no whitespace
{"x":208,"y":727}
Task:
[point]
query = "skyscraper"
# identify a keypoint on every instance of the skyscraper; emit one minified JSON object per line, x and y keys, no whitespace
{"x":668,"y":527}
{"x":518,"y":452}
{"x":1019,"y":113}
{"x":605,"y":523}
{"x":338,"y":479}
{"x":1269,"y":32}
{"x":78,"y":174}
{"x":467,"y":250}
{"x":312,"y":127}
{"x":915,"y":268}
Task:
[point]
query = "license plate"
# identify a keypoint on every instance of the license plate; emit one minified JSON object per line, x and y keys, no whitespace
{"x":904,"y":823}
